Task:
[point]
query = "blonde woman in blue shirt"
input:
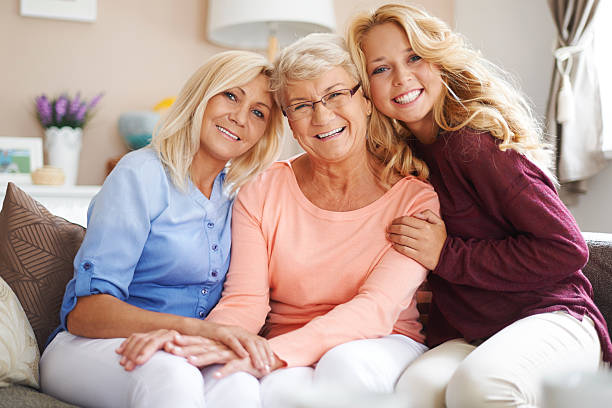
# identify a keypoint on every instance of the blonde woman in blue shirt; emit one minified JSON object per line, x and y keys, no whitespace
{"x":157,"y":247}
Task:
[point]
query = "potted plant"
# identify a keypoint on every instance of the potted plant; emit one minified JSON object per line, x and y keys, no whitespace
{"x":63,"y":119}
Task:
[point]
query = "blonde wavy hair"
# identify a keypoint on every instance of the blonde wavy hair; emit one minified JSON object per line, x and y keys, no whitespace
{"x":177,"y":138}
{"x":475,"y":92}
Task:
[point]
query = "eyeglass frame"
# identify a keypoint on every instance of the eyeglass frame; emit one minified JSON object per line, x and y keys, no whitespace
{"x":352,"y":92}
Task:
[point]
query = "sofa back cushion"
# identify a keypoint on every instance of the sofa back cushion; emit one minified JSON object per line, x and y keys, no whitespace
{"x":36,"y":253}
{"x":599,"y":272}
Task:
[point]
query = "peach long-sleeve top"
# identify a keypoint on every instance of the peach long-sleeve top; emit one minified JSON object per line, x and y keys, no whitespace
{"x":312,"y":278}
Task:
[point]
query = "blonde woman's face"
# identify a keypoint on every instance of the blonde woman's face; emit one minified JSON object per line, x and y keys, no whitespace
{"x":403,"y":85}
{"x":234,"y":120}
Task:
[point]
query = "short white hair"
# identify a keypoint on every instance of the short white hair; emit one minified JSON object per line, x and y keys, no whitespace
{"x":310,"y":57}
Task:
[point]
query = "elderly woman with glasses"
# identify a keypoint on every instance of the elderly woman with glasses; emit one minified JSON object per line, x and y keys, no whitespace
{"x":312,"y":269}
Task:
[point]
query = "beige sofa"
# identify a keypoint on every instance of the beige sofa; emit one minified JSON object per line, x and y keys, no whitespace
{"x":36,"y":252}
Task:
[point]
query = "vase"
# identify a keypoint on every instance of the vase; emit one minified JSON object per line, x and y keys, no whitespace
{"x":63,"y":146}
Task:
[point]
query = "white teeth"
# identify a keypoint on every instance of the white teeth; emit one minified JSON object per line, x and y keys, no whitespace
{"x":330,"y":133}
{"x":409,"y":97}
{"x":227,"y":132}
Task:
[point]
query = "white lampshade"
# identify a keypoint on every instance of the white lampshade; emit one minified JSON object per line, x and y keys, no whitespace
{"x":250,"y":23}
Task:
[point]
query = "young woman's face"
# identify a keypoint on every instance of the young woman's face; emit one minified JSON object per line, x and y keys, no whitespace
{"x":402,"y":85}
{"x":234,"y":120}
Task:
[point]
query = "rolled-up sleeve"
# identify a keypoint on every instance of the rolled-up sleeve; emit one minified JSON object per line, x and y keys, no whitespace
{"x":119,"y":222}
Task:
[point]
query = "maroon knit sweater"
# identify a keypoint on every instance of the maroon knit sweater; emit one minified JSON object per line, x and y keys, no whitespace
{"x":513,"y":249}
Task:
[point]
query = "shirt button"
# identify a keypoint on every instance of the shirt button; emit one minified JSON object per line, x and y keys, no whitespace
{"x":87,"y":266}
{"x":204,"y":291}
{"x":214,"y":247}
{"x":201,"y":314}
{"x":210,"y":224}
{"x":215,"y":272}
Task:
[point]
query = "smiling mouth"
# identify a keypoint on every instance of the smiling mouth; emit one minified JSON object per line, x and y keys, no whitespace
{"x":228,"y":133}
{"x":408,"y":97}
{"x":331,"y":133}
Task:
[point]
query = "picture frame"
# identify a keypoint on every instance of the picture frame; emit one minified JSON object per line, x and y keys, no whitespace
{"x":19,"y":157}
{"x":75,"y":10}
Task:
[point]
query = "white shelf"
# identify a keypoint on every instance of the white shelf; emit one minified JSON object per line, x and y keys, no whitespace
{"x":69,"y":202}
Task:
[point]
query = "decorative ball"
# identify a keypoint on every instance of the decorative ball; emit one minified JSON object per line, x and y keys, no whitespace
{"x":137,"y":128}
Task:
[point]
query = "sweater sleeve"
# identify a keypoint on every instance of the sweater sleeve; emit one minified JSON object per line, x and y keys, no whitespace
{"x":543,"y":244}
{"x":245,"y":298}
{"x":371,"y":313}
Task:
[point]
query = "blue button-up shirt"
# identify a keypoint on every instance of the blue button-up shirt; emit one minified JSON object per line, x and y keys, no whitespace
{"x":152,"y":245}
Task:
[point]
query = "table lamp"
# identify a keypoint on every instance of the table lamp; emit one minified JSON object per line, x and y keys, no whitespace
{"x":266,"y":24}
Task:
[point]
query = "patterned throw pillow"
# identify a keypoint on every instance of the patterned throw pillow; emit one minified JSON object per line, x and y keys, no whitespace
{"x":36,"y":254}
{"x":18,"y":349}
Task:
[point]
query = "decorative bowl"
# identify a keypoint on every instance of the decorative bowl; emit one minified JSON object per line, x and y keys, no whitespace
{"x":137,"y":128}
{"x":48,"y":175}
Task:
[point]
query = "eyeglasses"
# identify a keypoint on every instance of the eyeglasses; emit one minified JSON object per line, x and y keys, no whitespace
{"x":333,"y":100}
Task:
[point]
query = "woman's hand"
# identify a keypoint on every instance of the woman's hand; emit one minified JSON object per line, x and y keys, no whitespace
{"x":139,"y":347}
{"x":202,"y":352}
{"x":420,"y":237}
{"x":242,"y":343}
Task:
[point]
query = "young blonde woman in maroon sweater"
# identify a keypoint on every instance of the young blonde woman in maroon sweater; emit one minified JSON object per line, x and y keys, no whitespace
{"x":510,"y":303}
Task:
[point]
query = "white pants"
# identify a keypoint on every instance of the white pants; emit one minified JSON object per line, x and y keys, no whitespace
{"x":507,"y":369}
{"x":86,"y":372}
{"x":366,"y":365}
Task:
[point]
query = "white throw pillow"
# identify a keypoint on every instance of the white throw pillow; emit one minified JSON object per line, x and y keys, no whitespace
{"x":18,"y":349}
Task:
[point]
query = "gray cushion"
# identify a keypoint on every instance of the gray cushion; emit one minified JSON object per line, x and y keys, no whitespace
{"x":26,"y":397}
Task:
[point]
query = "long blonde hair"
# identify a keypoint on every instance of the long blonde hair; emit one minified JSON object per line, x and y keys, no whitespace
{"x":177,"y":138}
{"x":475,"y":92}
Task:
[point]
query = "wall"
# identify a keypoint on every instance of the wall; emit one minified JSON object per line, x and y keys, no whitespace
{"x":519,"y":36}
{"x":137,"y":52}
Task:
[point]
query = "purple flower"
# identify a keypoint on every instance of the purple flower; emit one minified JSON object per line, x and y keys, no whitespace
{"x":95,"y":100}
{"x":61,"y":105}
{"x":74,"y":105}
{"x":44,"y":110}
{"x":64,"y":110}
{"x":81,"y":112}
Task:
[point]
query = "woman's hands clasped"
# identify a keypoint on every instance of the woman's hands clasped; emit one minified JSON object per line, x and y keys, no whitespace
{"x":221,"y":342}
{"x":420,"y":237}
{"x":202,"y":352}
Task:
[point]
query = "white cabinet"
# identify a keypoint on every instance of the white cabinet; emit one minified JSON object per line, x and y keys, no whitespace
{"x":69,"y":202}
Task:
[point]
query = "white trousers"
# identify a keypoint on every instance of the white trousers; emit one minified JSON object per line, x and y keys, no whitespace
{"x":86,"y":372}
{"x":372,"y":365}
{"x":507,"y":369}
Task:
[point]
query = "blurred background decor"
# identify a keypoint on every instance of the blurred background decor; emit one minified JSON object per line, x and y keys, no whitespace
{"x":137,"y":128}
{"x":63,"y":119}
{"x":266,"y":24}
{"x":19,"y":157}
{"x":78,"y":10}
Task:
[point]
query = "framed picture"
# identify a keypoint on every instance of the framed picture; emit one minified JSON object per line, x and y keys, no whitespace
{"x":79,"y":10}
{"x":19,"y":156}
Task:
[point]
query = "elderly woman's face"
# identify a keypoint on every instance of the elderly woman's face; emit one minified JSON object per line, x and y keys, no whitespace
{"x":326,"y":131}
